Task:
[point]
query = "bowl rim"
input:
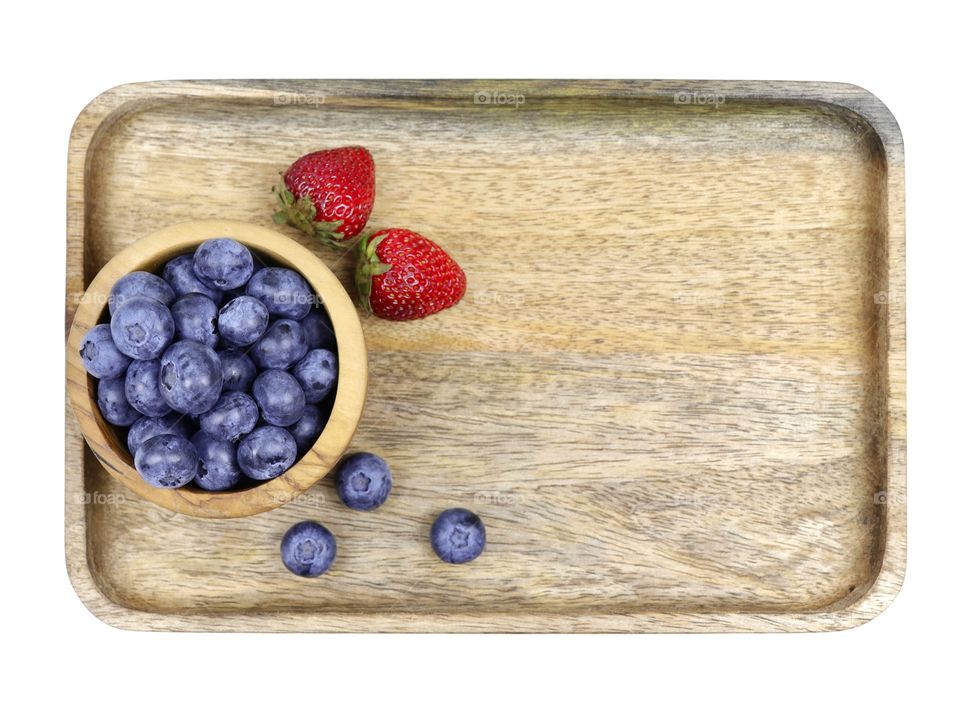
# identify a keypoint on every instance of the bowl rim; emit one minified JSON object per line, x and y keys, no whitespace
{"x":149,"y":254}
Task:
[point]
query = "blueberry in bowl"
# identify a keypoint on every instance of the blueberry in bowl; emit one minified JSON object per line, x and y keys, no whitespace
{"x":279,"y":396}
{"x":243,"y":320}
{"x":266,"y":452}
{"x":191,"y":377}
{"x":233,"y":416}
{"x":142,"y":388}
{"x":217,"y":466}
{"x":195,"y":318}
{"x":167,"y":461}
{"x":101,"y":358}
{"x":281,"y":345}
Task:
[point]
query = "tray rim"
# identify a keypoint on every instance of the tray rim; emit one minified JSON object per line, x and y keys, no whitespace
{"x":111,"y":105}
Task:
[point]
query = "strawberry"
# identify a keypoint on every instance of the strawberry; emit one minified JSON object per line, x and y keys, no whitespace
{"x":403,"y":276}
{"x":328,"y":194}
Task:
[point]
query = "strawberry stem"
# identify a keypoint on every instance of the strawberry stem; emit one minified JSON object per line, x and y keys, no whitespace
{"x":368,"y":266}
{"x":302,"y":215}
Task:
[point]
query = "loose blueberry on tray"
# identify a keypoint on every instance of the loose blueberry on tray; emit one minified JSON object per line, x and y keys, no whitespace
{"x":308,"y":549}
{"x":458,"y":536}
{"x":364,"y":481}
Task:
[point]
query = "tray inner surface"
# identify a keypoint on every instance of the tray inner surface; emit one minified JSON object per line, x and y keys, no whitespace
{"x":660,"y":391}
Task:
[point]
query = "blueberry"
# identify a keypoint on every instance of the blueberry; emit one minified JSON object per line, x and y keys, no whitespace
{"x":229,"y":295}
{"x":146,"y":428}
{"x":113,"y":402}
{"x":167,"y":461}
{"x":243,"y":320}
{"x":279,"y":396}
{"x":238,"y":370}
{"x":364,"y":481}
{"x":180,"y":276}
{"x":100,"y":355}
{"x":319,"y":330}
{"x":142,"y":327}
{"x":142,"y":284}
{"x":218,"y":469}
{"x":195,"y":318}
{"x":316,"y":373}
{"x":458,"y":536}
{"x":281,"y":345}
{"x":308,"y":549}
{"x":283,"y":291}
{"x":191,"y":377}
{"x":266,"y":452}
{"x":223,"y":263}
{"x":234,"y":415}
{"x":308,"y":427}
{"x":142,"y":387}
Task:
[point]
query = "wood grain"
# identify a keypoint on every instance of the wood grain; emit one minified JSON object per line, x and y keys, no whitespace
{"x":696,"y":424}
{"x":150,"y":254}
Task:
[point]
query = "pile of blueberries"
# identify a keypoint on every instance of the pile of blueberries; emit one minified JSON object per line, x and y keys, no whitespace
{"x":364,"y":482}
{"x":223,"y":368}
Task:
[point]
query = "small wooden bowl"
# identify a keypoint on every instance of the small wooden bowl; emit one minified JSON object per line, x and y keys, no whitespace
{"x":150,"y":254}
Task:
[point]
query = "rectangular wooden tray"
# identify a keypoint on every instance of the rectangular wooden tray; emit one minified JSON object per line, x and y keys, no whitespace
{"x":675,"y":390}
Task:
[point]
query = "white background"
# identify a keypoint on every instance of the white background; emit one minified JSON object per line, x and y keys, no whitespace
{"x":56,"y":59}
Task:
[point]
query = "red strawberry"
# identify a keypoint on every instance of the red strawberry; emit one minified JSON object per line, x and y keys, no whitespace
{"x":328,"y":194}
{"x":403,"y":276}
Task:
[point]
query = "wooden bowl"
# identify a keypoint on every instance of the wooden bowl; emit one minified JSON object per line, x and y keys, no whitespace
{"x":150,"y":254}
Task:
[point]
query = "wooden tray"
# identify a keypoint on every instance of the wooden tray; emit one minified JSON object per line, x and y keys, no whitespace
{"x":675,"y":390}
